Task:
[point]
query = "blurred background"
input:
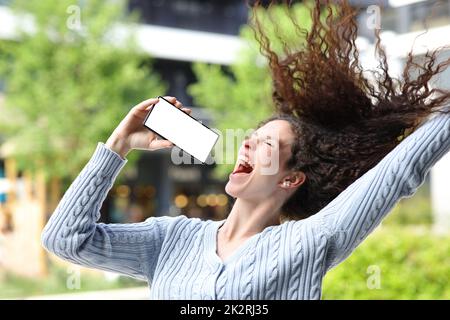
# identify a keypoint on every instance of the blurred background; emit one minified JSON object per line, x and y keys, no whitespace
{"x":70,"y":71}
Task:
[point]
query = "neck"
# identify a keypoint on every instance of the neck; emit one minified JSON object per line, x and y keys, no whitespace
{"x":249,"y":217}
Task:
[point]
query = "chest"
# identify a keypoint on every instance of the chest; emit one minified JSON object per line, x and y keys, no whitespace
{"x":226,"y":249}
{"x":269,"y":266}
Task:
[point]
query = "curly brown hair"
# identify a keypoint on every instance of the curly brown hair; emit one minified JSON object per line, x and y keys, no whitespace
{"x":344,"y":122}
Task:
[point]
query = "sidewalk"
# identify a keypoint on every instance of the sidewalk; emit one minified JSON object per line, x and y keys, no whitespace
{"x":139,"y":293}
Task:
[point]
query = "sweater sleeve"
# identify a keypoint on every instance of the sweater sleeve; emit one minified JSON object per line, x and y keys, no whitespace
{"x":73,"y":234}
{"x":355,"y":213}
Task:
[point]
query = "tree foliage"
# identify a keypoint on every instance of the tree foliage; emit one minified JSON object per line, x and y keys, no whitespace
{"x":69,"y":81}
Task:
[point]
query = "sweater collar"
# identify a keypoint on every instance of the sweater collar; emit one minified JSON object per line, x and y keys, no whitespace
{"x":210,"y":245}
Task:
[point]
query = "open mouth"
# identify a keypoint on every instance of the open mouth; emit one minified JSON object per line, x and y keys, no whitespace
{"x":244,"y":166}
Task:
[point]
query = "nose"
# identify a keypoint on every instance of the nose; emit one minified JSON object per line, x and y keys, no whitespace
{"x":247,"y":145}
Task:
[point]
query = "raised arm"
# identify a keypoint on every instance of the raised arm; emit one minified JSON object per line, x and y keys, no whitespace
{"x":351,"y":216}
{"x":73,"y":233}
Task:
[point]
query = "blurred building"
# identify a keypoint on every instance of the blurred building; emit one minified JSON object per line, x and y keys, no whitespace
{"x":177,"y":34}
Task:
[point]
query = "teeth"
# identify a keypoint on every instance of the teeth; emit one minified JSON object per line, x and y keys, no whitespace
{"x":244,"y":160}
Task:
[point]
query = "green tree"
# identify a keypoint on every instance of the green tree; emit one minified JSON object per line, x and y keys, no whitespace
{"x":240,"y":96}
{"x":68,"y":82}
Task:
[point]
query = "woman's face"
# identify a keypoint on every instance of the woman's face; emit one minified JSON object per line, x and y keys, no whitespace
{"x":260,"y":170}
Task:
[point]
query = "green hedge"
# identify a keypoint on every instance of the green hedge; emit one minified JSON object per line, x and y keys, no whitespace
{"x":412,"y":211}
{"x":413,"y":264}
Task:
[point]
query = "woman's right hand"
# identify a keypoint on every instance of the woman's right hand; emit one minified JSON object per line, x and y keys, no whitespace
{"x":131,"y":133}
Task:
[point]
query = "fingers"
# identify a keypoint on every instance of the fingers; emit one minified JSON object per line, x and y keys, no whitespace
{"x":146,"y":103}
{"x":178,"y":104}
{"x":187,"y":110}
{"x":174,"y":101}
{"x":170,"y":99}
{"x":160,"y":144}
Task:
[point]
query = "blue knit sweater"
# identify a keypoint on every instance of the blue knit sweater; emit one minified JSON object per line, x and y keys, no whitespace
{"x":177,"y":255}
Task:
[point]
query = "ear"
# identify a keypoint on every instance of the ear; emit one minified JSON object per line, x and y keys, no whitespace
{"x":293,"y":180}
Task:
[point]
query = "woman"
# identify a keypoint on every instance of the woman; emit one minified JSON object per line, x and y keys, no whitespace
{"x":346,"y":155}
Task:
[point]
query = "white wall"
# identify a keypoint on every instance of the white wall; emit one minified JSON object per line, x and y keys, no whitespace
{"x":158,"y":42}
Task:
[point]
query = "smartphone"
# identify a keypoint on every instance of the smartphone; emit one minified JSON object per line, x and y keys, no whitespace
{"x":184,"y":131}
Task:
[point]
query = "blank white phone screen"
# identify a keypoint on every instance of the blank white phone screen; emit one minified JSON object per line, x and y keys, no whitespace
{"x":184,"y":131}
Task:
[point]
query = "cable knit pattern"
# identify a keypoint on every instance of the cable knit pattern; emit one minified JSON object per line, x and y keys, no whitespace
{"x":248,"y":274}
{"x":221,"y":285}
{"x":177,"y":255}
{"x":318,"y":262}
{"x":273,"y":263}
{"x":296,"y":265}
